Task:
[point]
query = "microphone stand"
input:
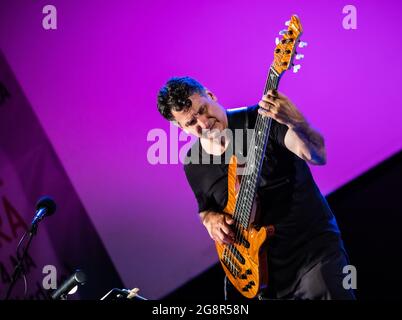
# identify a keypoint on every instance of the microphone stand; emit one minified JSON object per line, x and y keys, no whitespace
{"x":17,"y":269}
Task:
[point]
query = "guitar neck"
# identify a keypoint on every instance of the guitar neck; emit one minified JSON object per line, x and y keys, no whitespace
{"x":272,"y":81}
{"x":255,"y":157}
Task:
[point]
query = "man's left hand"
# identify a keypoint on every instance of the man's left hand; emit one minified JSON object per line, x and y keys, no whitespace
{"x":277,"y":106}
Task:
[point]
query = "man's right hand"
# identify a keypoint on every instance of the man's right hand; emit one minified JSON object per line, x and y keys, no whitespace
{"x":218,"y":226}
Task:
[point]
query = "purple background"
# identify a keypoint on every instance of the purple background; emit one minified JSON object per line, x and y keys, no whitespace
{"x":93,"y":85}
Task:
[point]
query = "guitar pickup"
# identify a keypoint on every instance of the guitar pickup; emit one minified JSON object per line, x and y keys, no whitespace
{"x":231,"y":266}
{"x":238,"y":255}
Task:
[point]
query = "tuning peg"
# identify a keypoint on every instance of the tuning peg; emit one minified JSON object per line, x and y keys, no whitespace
{"x":277,"y":41}
{"x":283,"y":32}
{"x":296,"y":68}
{"x":299,"y":56}
{"x":302,"y":44}
{"x":287,"y":23}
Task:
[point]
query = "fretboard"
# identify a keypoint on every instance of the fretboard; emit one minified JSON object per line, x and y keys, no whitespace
{"x":255,"y":157}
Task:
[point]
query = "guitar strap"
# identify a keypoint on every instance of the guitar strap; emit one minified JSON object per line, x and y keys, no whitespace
{"x":238,"y":119}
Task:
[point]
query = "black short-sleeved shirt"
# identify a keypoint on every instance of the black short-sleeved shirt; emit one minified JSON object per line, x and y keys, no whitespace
{"x":305,"y":228}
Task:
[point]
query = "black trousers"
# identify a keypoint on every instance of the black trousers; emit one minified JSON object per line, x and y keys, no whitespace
{"x":323,"y":281}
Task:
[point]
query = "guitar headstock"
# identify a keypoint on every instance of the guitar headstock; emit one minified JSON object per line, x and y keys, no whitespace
{"x":285,"y":50}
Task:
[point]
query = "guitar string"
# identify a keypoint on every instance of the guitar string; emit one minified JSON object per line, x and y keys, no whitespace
{"x":251,"y":158}
{"x":251,"y":176}
{"x":243,"y":191}
{"x":238,"y":214}
{"x":244,"y":202}
{"x":246,"y":178}
{"x":266,"y":123}
{"x":253,"y":154}
{"x":244,"y":195}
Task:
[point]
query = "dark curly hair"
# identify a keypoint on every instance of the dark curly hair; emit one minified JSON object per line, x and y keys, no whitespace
{"x":175,"y":95}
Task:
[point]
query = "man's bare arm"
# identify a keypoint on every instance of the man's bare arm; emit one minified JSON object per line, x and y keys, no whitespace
{"x":300,"y":138}
{"x":307,"y":143}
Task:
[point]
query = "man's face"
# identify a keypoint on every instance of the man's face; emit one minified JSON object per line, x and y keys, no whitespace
{"x":205,"y":118}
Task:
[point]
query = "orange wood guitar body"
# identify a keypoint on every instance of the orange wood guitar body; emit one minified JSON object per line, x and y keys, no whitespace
{"x":248,"y":274}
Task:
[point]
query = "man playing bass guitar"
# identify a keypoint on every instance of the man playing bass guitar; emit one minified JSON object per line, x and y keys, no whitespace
{"x":305,"y":253}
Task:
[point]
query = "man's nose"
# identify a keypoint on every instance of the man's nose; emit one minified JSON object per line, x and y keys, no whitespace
{"x":203,"y":122}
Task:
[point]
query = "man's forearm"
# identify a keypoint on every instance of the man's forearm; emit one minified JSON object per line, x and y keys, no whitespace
{"x":313,"y":148}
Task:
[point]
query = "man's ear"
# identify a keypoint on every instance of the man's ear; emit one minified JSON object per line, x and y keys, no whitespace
{"x":211,"y":95}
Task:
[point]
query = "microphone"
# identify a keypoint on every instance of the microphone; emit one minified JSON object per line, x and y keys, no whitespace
{"x":77,"y":278}
{"x":44,"y":207}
